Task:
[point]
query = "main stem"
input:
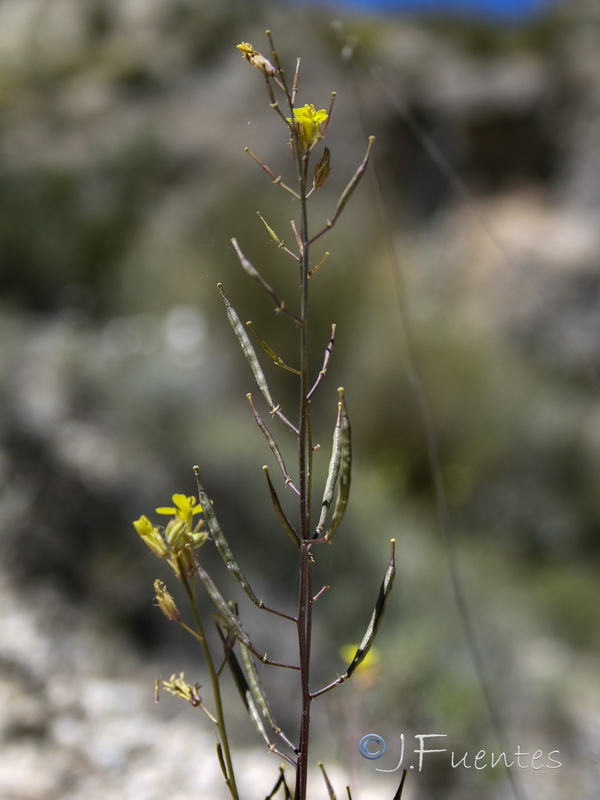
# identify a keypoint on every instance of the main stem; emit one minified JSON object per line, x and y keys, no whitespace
{"x":304,"y":616}
{"x":305,"y":475}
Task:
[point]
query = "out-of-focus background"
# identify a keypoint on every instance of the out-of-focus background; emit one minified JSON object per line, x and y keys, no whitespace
{"x":122,"y":179}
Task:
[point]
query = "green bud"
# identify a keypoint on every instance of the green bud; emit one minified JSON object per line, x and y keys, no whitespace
{"x":197,"y":538}
{"x":175,"y":533}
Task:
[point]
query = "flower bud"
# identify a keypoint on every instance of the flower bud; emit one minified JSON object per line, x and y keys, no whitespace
{"x":175,"y":533}
{"x":183,"y":562}
{"x":165,"y":602}
{"x":197,"y":538}
{"x":257,"y":59}
{"x":178,"y":687}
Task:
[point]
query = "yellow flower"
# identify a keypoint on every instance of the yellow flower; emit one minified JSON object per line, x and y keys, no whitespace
{"x":185,"y":508}
{"x":308,"y":122}
{"x":256,"y":59}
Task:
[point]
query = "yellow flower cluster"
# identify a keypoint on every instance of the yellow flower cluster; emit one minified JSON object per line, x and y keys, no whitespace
{"x":174,"y":541}
{"x":308,"y":122}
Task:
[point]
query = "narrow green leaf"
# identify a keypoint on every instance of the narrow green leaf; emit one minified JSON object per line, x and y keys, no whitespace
{"x":318,"y":266}
{"x":330,"y":791}
{"x":373,"y":626}
{"x":221,"y":542}
{"x":288,"y":794}
{"x":270,"y":352}
{"x":343,"y":493}
{"x":280,"y":782}
{"x":332,"y":475}
{"x":286,"y":524}
{"x":400,"y":788}
{"x":221,"y":761}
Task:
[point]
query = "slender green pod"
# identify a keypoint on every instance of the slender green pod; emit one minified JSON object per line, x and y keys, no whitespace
{"x":332,"y":475}
{"x":251,"y":357}
{"x":343,"y":493}
{"x":252,"y":694}
{"x":247,"y":348}
{"x":259,"y":696}
{"x":230,"y":621}
{"x":221,"y":542}
{"x":243,"y":688}
{"x":375,"y":622}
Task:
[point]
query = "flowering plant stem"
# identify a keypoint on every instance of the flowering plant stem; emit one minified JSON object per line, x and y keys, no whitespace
{"x":223,"y":746}
{"x":178,"y":542}
{"x":304,"y":620}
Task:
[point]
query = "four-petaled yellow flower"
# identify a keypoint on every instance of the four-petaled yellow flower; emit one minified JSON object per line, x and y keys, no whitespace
{"x":185,"y":508}
{"x":308,"y":122}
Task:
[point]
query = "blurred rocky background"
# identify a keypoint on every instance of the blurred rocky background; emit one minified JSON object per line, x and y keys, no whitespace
{"x":122,"y":179}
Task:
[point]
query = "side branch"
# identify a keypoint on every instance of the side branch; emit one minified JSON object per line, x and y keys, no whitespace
{"x":372,"y":627}
{"x":275,"y":178}
{"x":346,"y":194}
{"x":273,"y":446}
{"x":326,"y":359}
{"x":251,"y":270}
